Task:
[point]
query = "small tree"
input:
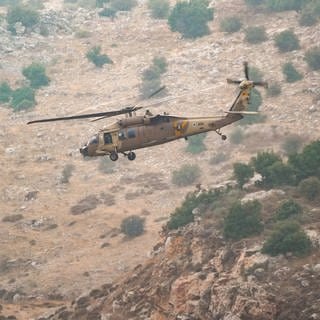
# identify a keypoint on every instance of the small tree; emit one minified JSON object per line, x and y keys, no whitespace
{"x":195,"y":143}
{"x":23,"y":14}
{"x":288,"y":209}
{"x":230,"y":24}
{"x":23,"y":98}
{"x":291,"y":73}
{"x":287,"y":41}
{"x":190,"y":18}
{"x":132,"y":226}
{"x":307,"y":18}
{"x":186,"y":175}
{"x":255,"y":35}
{"x":5,"y":92}
{"x":159,"y":8}
{"x":243,"y":220}
{"x":242,"y":172}
{"x":310,"y":188}
{"x":97,"y":58}
{"x":67,"y":173}
{"x":287,"y":237}
{"x":36,"y":74}
{"x":312,"y":57}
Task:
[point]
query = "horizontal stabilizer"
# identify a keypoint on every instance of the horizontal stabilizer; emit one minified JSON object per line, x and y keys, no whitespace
{"x":242,"y":112}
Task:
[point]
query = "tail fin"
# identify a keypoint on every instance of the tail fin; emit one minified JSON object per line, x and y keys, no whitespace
{"x":241,"y":102}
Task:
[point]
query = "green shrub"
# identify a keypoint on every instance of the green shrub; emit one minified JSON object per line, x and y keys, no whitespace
{"x":184,"y":214}
{"x":287,"y":41}
{"x":243,"y":220}
{"x":242,"y":172}
{"x":195,"y":143}
{"x":237,"y":136}
{"x":307,"y":18}
{"x":274,"y":89}
{"x":96,"y":58}
{"x":35,"y":4}
{"x":190,"y":18}
{"x":310,"y":188}
{"x":307,"y":163}
{"x":159,"y":8}
{"x":255,"y":35}
{"x":230,"y":24}
{"x":36,"y":74}
{"x":285,"y":5}
{"x":132,"y":226}
{"x":186,"y":175}
{"x":25,"y":15}
{"x":23,"y":98}
{"x":291,"y":73}
{"x":160,"y":63}
{"x":279,"y":174}
{"x":312,"y":57}
{"x":82,"y":34}
{"x":254,"y":2}
{"x":101,"y":3}
{"x":67,"y":173}
{"x":292,"y":144}
{"x":123,"y":5}
{"x":288,"y":209}
{"x":5,"y":92}
{"x":108,"y":12}
{"x":287,"y":237}
{"x":149,"y":86}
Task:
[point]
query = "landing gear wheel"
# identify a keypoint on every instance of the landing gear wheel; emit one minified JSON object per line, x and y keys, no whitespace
{"x":114,"y":156}
{"x":223,"y":137}
{"x":131,"y":155}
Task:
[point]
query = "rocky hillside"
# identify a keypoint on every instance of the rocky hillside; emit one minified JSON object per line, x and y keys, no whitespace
{"x":61,"y":238}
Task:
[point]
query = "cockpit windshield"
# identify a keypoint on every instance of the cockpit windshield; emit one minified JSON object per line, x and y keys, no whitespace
{"x":94,"y":140}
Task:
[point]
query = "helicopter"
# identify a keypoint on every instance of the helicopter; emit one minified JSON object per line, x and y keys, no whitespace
{"x":141,"y":131}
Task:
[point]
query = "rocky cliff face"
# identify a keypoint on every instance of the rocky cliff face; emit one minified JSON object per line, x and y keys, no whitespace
{"x":195,"y":274}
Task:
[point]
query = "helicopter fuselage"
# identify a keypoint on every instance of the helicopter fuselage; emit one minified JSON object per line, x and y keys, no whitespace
{"x":138,"y":132}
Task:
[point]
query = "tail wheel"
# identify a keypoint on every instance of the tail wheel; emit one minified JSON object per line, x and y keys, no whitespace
{"x":223,"y":137}
{"x":131,"y":155}
{"x":113,"y":156}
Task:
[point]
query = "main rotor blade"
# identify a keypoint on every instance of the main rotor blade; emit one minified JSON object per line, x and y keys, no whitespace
{"x":88,"y":115}
{"x":261,"y":83}
{"x":234,"y":81}
{"x":246,"y":69}
{"x":156,"y":92}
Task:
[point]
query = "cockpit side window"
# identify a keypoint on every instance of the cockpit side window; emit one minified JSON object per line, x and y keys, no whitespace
{"x":132,"y":133}
{"x":94,"y":140}
{"x":107,"y":138}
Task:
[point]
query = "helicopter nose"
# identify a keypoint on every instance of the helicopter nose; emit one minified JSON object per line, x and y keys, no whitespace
{"x":84,"y":151}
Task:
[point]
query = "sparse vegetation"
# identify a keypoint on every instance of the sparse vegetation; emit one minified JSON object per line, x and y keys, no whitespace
{"x":36,"y":74}
{"x":255,"y":35}
{"x":5,"y":92}
{"x":23,"y":98}
{"x":291,"y":73}
{"x":243,"y":220}
{"x":284,"y":5}
{"x":190,"y":18}
{"x":292,"y":144}
{"x":186,"y":175}
{"x":288,"y":209}
{"x":312,"y":57}
{"x":159,"y":8}
{"x":242,"y":172}
{"x":237,"y":136}
{"x":98,"y":59}
{"x":287,"y":41}
{"x":230,"y":24}
{"x":106,"y":165}
{"x":151,"y":77}
{"x":66,"y":173}
{"x":123,"y":5}
{"x":287,"y":237}
{"x":26,"y":16}
{"x":132,"y":226}
{"x":218,"y":158}
{"x":108,"y":12}
{"x":195,"y":143}
{"x":310,"y":188}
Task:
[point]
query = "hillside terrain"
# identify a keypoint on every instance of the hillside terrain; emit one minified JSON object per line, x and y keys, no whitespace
{"x":52,"y":253}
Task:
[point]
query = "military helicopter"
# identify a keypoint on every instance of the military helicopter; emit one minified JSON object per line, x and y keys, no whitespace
{"x":136,"y":132}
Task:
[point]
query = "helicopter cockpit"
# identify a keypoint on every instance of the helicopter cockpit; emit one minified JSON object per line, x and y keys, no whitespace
{"x":90,"y":148}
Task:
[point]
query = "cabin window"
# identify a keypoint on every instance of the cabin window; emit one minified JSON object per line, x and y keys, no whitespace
{"x":122,"y":135}
{"x":107,"y":138}
{"x":132,"y":133}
